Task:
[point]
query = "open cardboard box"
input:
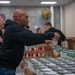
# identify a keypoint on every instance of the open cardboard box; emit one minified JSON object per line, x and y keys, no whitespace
{"x":47,"y":51}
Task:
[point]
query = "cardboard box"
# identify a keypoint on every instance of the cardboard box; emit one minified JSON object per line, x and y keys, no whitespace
{"x":28,"y":72}
{"x":71,"y":42}
{"x":49,"y":51}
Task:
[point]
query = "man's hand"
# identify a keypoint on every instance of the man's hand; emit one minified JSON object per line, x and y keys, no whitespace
{"x":48,"y":42}
{"x":56,"y":36}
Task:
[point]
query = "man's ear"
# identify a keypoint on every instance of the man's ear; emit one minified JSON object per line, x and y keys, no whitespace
{"x":19,"y":18}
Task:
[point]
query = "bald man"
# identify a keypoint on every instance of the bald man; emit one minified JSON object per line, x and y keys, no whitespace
{"x":15,"y":38}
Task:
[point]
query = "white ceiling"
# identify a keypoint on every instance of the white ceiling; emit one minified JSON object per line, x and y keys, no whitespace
{"x":34,"y":2}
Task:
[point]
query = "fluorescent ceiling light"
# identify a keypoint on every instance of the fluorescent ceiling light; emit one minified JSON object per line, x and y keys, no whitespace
{"x":5,"y":2}
{"x":48,"y":2}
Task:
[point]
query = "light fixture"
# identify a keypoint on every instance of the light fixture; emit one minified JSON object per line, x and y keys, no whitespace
{"x":48,"y":2}
{"x":4,"y":2}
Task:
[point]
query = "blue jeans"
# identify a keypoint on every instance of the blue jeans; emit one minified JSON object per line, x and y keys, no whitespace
{"x":5,"y":71}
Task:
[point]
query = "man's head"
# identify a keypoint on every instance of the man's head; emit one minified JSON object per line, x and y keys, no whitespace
{"x":47,"y":25}
{"x":1,"y":22}
{"x":39,"y":30}
{"x":20,"y":16}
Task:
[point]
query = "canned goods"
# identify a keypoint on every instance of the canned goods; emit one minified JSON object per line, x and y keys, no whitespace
{"x":52,"y":65}
{"x":59,"y":69}
{"x":47,"y":72}
{"x":64,"y":72}
{"x":70,"y":74}
{"x":38,"y":69}
{"x":50,"y":73}
{"x":70,"y":68}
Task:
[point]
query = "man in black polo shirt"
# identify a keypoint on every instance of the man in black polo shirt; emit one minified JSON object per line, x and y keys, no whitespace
{"x":48,"y":27}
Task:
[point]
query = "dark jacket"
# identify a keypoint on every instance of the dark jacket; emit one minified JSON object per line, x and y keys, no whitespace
{"x":62,"y":36}
{"x":15,"y":38}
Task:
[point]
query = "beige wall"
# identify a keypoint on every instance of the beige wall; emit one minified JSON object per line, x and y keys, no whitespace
{"x":69,"y":19}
